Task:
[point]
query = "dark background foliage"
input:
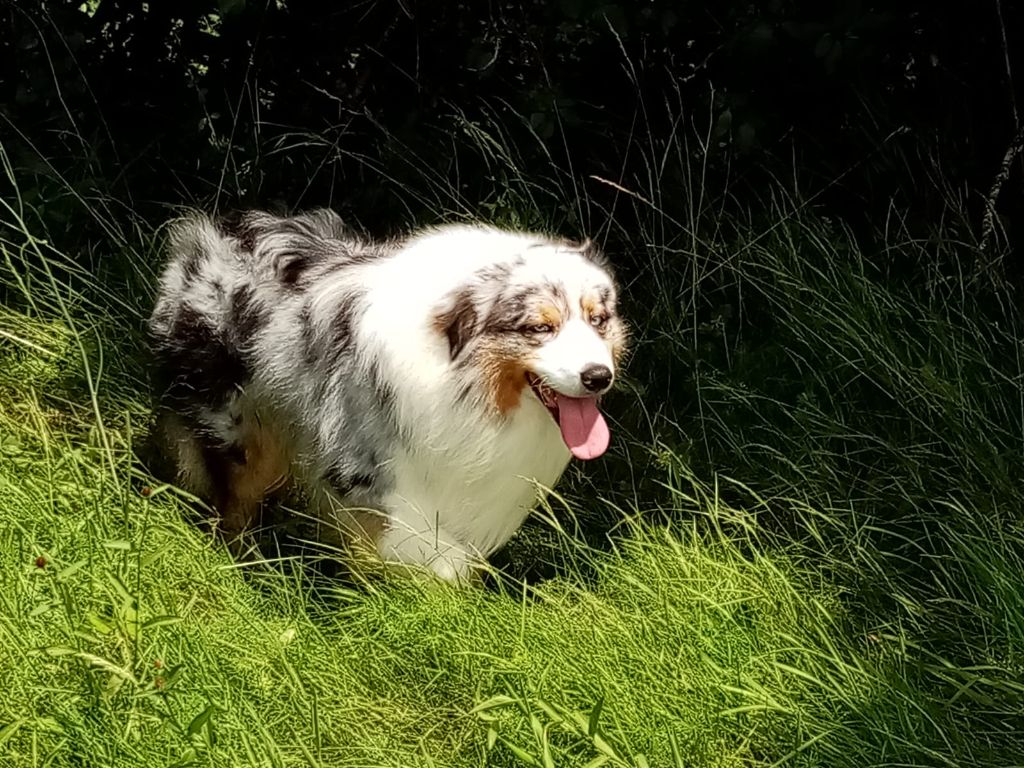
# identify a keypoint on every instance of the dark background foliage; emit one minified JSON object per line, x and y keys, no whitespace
{"x":305,"y":102}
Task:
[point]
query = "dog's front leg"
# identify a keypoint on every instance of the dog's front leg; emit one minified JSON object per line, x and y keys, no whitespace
{"x":409,"y":537}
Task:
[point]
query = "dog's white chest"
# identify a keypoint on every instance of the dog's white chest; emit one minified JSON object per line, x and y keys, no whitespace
{"x":479,"y":482}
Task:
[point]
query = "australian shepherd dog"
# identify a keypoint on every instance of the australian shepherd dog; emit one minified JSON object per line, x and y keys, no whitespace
{"x":428,"y":388}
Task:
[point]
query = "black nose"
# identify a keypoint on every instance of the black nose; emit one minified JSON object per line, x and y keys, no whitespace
{"x":596,"y":378}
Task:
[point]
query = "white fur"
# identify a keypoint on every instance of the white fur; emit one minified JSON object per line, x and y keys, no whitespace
{"x":471,"y":482}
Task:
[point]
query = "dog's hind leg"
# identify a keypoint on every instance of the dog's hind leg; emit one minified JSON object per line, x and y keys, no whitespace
{"x":233,"y":476}
{"x":245,"y":473}
{"x":180,"y":444}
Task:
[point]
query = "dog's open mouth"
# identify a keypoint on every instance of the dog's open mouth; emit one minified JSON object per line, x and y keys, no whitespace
{"x":582,"y":426}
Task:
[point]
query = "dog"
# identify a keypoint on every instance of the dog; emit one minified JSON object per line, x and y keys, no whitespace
{"x":426,"y":390}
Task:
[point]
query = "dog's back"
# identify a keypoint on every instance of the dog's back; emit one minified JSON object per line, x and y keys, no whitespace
{"x":216,"y":293}
{"x":220,"y":280}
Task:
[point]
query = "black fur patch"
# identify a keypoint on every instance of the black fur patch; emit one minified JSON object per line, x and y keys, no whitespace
{"x":195,"y":364}
{"x":344,"y":482}
{"x":512,"y":310}
{"x":309,"y":254}
{"x":248,"y":315}
{"x":339,"y":334}
{"x":293,"y":267}
{"x":328,"y":347}
{"x":459,"y":323}
{"x":382,"y":390}
{"x":309,"y":338}
{"x":508,"y":312}
{"x":558,"y":295}
{"x":303,"y":254}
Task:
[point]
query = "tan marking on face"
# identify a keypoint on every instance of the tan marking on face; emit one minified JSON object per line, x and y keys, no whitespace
{"x":618,"y":339}
{"x":548,"y":314}
{"x":504,"y":377}
{"x":615,"y":333}
{"x":267,"y":466}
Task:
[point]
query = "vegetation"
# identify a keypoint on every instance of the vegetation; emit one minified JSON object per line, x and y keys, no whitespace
{"x":806,"y":547}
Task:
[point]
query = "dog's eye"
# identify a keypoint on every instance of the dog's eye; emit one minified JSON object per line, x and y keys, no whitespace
{"x":539,"y":328}
{"x":599,"y":321}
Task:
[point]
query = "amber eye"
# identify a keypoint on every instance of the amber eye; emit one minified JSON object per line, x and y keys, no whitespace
{"x":539,"y":329}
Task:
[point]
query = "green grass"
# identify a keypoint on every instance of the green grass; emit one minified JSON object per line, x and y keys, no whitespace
{"x":807,"y":548}
{"x":134,"y":640}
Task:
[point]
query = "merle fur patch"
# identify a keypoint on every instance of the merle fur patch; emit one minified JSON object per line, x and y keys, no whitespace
{"x":345,"y":481}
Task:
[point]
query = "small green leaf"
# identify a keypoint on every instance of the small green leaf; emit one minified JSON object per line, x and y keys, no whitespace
{"x":595,"y":716}
{"x":40,"y":609}
{"x":523,"y":755}
{"x":492,"y":703}
{"x":538,"y":728}
{"x":604,"y":747}
{"x":72,"y":569}
{"x":201,"y":720}
{"x":97,"y":623}
{"x":9,"y":730}
{"x":160,"y":621}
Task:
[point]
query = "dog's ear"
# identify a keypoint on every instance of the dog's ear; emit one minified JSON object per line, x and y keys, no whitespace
{"x":458,"y":322}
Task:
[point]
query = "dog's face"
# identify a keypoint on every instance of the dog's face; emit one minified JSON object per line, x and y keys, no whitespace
{"x":543,"y":325}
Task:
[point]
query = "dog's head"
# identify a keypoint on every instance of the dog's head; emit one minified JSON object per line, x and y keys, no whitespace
{"x":541,"y":324}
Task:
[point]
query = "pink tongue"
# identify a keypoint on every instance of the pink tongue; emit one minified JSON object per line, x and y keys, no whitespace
{"x":583,"y":427}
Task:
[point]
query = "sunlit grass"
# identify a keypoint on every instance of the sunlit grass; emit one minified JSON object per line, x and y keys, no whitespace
{"x":130,"y":638}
